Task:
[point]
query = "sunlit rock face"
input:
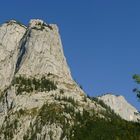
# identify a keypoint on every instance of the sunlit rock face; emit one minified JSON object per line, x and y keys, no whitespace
{"x":10,"y":36}
{"x":41,"y":52}
{"x":32,"y":51}
{"x":121,"y":107}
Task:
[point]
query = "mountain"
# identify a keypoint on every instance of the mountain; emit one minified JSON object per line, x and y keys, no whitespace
{"x":121,"y":107}
{"x":39,"y":100}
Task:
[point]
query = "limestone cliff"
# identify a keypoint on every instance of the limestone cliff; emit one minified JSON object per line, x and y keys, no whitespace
{"x":41,"y":52}
{"x":10,"y":36}
{"x":121,"y":107}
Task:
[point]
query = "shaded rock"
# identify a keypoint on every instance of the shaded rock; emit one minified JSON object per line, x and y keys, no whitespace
{"x":10,"y":36}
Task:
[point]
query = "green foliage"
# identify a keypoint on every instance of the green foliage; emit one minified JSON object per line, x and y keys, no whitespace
{"x":93,"y":128}
{"x":61,"y":91}
{"x":48,"y":114}
{"x":109,"y":113}
{"x":136,"y":77}
{"x":51,"y":113}
{"x":66,"y":99}
{"x":9,"y":128}
{"x":85,"y":126}
{"x":40,"y":27}
{"x":1,"y":96}
{"x":30,"y":112}
{"x":30,"y":84}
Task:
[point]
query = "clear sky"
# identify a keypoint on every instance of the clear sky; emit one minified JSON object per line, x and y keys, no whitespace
{"x":101,"y":39}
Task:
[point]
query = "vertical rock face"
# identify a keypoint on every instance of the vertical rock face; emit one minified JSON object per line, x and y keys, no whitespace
{"x":31,"y":51}
{"x":121,"y":107}
{"x":10,"y":36}
{"x":41,"y":52}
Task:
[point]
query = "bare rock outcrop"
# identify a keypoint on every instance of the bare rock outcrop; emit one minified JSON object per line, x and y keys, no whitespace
{"x":10,"y":36}
{"x":121,"y":107}
{"x":41,"y":52}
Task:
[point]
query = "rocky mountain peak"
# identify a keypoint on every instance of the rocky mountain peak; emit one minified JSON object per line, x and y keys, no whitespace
{"x":31,"y":51}
{"x":42,"y":52}
{"x":10,"y":22}
{"x":121,"y":107}
{"x":35,"y":22}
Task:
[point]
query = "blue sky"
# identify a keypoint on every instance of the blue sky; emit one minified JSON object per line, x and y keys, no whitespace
{"x":101,"y":39}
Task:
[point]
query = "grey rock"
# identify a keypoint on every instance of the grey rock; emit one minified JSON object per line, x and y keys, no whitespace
{"x":10,"y":36}
{"x":43,"y":53}
{"x":121,"y":107}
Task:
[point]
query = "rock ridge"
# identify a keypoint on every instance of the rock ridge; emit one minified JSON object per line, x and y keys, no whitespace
{"x":121,"y":107}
